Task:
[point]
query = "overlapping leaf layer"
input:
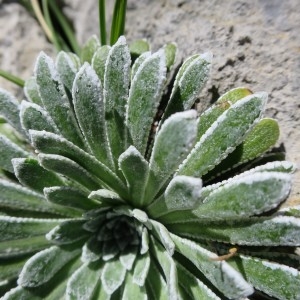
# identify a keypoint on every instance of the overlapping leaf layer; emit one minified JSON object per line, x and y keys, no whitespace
{"x":109,"y":190}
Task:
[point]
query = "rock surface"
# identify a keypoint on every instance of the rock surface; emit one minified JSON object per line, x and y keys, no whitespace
{"x":256,"y":44}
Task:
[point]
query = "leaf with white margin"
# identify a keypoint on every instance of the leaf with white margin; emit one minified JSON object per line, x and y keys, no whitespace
{"x":84,"y":281}
{"x":18,"y":293}
{"x":172,"y":144}
{"x":91,"y":250}
{"x":9,"y":150}
{"x":16,"y":196}
{"x":164,"y":236}
{"x":89,"y":48}
{"x":144,"y":97}
{"x":31,"y":174}
{"x":209,"y":116}
{"x":225,"y":278}
{"x":69,"y":197}
{"x":116,"y":84}
{"x":13,"y":228}
{"x":195,"y":288}
{"x":127,"y":259}
{"x":224,"y":135}
{"x":55,"y":99}
{"x":89,"y":109}
{"x":276,"y":231}
{"x":99,"y":61}
{"x":67,"y":232}
{"x":50,"y":143}
{"x":9,"y":110}
{"x":244,"y":197}
{"x":67,"y":65}
{"x":104,"y":197}
{"x":67,"y":167}
{"x":168,"y":266}
{"x":31,"y":91}
{"x":138,"y":62}
{"x":44,"y":265}
{"x":141,"y":269}
{"x":33,"y":116}
{"x":135,"y":170}
{"x":132,"y":290}
{"x":182,"y":193}
{"x":144,"y":241}
{"x":189,"y":81}
{"x":113,"y":276}
{"x":276,"y":280}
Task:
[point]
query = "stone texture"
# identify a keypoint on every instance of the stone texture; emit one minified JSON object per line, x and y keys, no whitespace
{"x":255,"y":44}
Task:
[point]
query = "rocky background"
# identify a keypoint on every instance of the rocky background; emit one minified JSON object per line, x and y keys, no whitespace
{"x":255,"y":43}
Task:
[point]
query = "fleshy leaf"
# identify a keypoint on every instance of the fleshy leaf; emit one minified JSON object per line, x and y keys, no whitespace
{"x":41,"y":267}
{"x":276,"y":280}
{"x":83,"y":283}
{"x":9,"y":150}
{"x":31,"y":91}
{"x":250,"y":195}
{"x":99,"y":61}
{"x":89,"y":48}
{"x":224,"y":135}
{"x":55,"y":99}
{"x":113,"y":275}
{"x":33,"y":116}
{"x":141,"y":269}
{"x":276,"y":231}
{"x":138,"y":62}
{"x":116,"y":82}
{"x":31,"y":174}
{"x":189,"y":81}
{"x":177,"y":134}
{"x":220,"y":273}
{"x":170,"y":53}
{"x":65,"y":166}
{"x":144,"y":97}
{"x":132,"y":290}
{"x":89,"y":109}
{"x":91,"y":251}
{"x":138,"y":47}
{"x":128,"y":259}
{"x":135,"y":170}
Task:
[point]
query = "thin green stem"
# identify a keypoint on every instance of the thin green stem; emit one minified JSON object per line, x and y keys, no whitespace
{"x":118,"y":21}
{"x":67,"y":29}
{"x":12,"y":78}
{"x":102,"y":22}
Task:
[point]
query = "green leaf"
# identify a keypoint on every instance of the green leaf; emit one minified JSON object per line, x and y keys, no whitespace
{"x":9,"y":110}
{"x":144,"y":97}
{"x":33,"y":116}
{"x":83,"y":283}
{"x":99,"y":61}
{"x":44,"y":265}
{"x":177,"y":133}
{"x":113,"y":276}
{"x":170,"y":53}
{"x":89,"y":109}
{"x":9,"y":150}
{"x":207,"y":118}
{"x":132,"y":290}
{"x":12,"y":228}
{"x":219,"y":273}
{"x":138,"y":62}
{"x":31,"y":91}
{"x":67,"y":65}
{"x":50,"y":143}
{"x":248,"y":196}
{"x":276,"y":231}
{"x":127,"y":259}
{"x":195,"y":288}
{"x":67,"y":167}
{"x":217,"y":143}
{"x":276,"y":280}
{"x":182,"y":193}
{"x":20,"y":293}
{"x":189,"y":81}
{"x":31,"y":174}
{"x":141,"y":269}
{"x":106,"y":197}
{"x":116,"y":82}
{"x":137,"y":48}
{"x":89,"y":48}
{"x":55,"y":99}
{"x":91,"y":250}
{"x":67,"y":232}
{"x":135,"y":170}
{"x":69,"y":197}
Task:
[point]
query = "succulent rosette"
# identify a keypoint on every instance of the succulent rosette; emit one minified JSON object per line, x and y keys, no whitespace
{"x":112,"y":187}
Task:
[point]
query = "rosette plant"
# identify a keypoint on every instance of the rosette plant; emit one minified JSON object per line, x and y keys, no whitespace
{"x":114,"y":188}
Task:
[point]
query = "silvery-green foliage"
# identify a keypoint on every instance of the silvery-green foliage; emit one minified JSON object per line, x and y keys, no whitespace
{"x":108,"y":192}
